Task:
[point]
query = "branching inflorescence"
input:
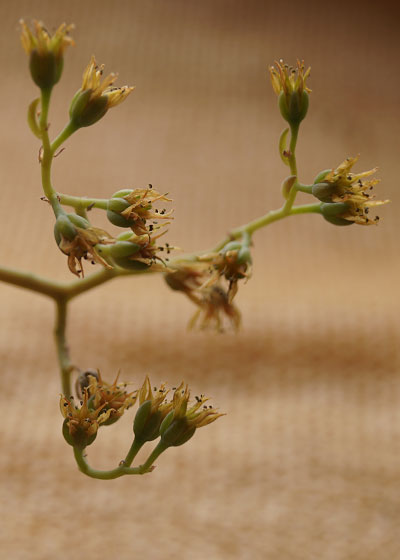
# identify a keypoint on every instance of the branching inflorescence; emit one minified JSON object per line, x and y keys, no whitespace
{"x":209,"y":279}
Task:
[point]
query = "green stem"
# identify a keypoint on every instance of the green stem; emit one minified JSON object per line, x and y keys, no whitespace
{"x":64,"y":361}
{"x":104,"y":475}
{"x":47,"y":154}
{"x":32,"y":282}
{"x":63,"y":136}
{"x":83,"y":202}
{"x":133,"y":451}
{"x":294,"y":131}
{"x":160,"y":448}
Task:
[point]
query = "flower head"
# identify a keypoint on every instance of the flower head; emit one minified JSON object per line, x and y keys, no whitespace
{"x":96,"y":96}
{"x":81,"y":423}
{"x":146,"y":253}
{"x":290,"y":85}
{"x":109,"y":396}
{"x":46,"y":51}
{"x":153,"y":408}
{"x":133,"y":208}
{"x":185,"y":417}
{"x":351,"y":190}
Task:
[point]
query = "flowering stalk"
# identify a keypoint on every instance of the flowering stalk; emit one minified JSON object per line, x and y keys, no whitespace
{"x":210,"y":279}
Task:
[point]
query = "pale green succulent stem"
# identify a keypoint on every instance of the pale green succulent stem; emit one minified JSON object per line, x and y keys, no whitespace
{"x":65,"y":364}
{"x":62,"y":137}
{"x":83,"y":202}
{"x":104,"y":475}
{"x":46,"y":155}
{"x":124,"y":467}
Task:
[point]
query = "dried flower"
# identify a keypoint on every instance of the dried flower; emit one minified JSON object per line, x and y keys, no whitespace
{"x":340,"y":186}
{"x":214,"y":305}
{"x":85,"y":245}
{"x":96,"y":96}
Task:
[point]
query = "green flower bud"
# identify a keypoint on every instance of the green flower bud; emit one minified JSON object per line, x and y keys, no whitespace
{"x":129,"y":264}
{"x":146,"y":425}
{"x":122,"y":249}
{"x":177,"y":433}
{"x":293,"y":106}
{"x":46,"y":68}
{"x":46,"y":52}
{"x":324,"y":191}
{"x":244,"y":255}
{"x":332,"y":213}
{"x":64,"y":228}
{"x":85,"y":111}
{"x":79,"y":438}
{"x":78,"y":221}
{"x":321,"y":176}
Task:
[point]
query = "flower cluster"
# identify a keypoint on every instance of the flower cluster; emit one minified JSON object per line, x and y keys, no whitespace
{"x":202,"y":283}
{"x":175,"y":420}
{"x":347,"y":196}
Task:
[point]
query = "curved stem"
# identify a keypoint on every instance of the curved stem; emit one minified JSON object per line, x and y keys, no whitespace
{"x":104,"y":475}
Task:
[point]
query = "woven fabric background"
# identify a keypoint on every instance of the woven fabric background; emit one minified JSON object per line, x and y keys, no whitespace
{"x":305,"y":465}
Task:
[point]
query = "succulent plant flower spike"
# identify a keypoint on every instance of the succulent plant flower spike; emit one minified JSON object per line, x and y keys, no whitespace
{"x":209,"y":278}
{"x":96,"y":96}
{"x":347,"y":196}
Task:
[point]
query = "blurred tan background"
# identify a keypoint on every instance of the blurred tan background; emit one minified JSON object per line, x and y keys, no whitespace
{"x":306,"y":464}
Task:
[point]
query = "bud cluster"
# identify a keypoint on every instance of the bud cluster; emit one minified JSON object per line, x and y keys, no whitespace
{"x":346,"y":196}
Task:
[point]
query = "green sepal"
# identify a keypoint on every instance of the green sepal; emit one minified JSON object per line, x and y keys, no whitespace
{"x":331,"y":212}
{"x":123,"y":249}
{"x":127,"y":263}
{"x":78,"y":221}
{"x":124,"y":236}
{"x":121,"y":193}
{"x":32,"y":118}
{"x":117,"y":204}
{"x":177,"y":433}
{"x":63,"y":227}
{"x":80,"y":439}
{"x":321,"y":176}
{"x":166,"y":422}
{"x":117,"y":219}
{"x":146,"y":425}
{"x":323,"y":191}
{"x":293,"y":107}
{"x":46,"y":68}
{"x":141,"y":416}
{"x":85,"y":111}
